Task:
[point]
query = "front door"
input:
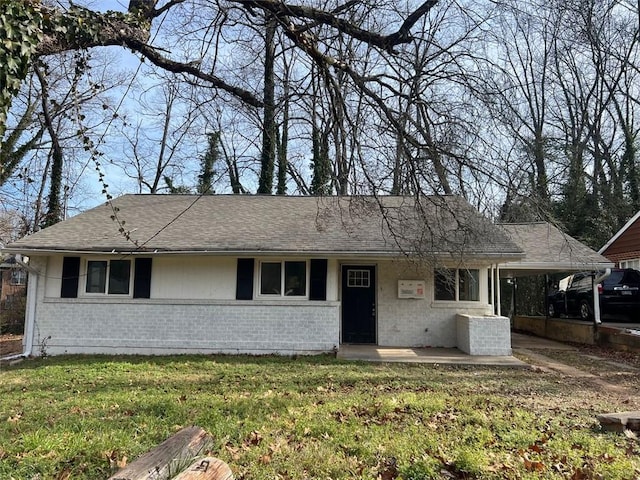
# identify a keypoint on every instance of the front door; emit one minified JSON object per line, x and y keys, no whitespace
{"x":358,"y":304}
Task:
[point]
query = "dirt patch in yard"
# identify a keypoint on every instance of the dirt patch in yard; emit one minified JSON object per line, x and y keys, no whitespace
{"x":613,"y":370}
{"x":629,"y":358}
{"x":10,"y":344}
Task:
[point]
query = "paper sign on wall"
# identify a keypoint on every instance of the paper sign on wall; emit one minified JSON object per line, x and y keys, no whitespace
{"x":411,"y":288}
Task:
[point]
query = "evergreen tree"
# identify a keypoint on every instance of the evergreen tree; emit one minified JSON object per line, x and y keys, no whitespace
{"x":175,"y":189}
{"x":207,"y":164}
{"x":320,"y":164}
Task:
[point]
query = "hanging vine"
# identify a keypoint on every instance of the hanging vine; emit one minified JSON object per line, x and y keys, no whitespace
{"x":29,"y":29}
{"x":21,"y":32}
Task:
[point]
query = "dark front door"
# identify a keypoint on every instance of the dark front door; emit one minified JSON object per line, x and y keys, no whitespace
{"x":358,"y":304}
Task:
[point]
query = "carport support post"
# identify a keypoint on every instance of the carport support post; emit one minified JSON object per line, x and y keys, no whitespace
{"x":596,"y":301}
{"x":546,"y":295}
{"x":596,"y":296}
{"x":499,"y":311}
{"x":492,"y":296}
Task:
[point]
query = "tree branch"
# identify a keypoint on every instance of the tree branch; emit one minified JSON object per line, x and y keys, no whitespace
{"x":132,"y":30}
{"x":177,"y":67}
{"x":164,"y":8}
{"x":386,"y":42}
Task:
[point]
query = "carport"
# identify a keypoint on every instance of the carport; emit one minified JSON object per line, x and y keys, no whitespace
{"x":547,"y":250}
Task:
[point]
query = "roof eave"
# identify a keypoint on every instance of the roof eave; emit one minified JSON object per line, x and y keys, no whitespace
{"x":493,"y":256}
{"x":556,"y":266}
{"x":620,"y":232}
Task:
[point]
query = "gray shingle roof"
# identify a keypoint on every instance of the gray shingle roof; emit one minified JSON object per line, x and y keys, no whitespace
{"x":548,"y":248}
{"x":278,"y":224}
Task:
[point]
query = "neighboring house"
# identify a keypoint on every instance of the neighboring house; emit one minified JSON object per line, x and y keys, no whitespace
{"x":13,"y":281}
{"x":624,"y":246}
{"x":158,"y":274}
{"x":13,"y":289}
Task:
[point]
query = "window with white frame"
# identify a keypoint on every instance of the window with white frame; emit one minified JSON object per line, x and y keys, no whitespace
{"x":634,"y":263}
{"x":358,"y":278}
{"x":112,"y":277}
{"x":457,"y":284}
{"x":283,"y":278}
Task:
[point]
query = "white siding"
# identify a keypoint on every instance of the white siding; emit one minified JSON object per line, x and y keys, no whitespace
{"x":333,"y":280}
{"x":53,"y":281}
{"x":182,"y":277}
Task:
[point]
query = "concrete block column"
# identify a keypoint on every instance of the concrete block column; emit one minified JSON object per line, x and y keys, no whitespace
{"x":483,"y":335}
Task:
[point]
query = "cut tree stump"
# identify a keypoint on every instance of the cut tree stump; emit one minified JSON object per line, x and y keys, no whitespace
{"x":169,"y":458}
{"x":208,"y":468}
{"x":619,"y":422}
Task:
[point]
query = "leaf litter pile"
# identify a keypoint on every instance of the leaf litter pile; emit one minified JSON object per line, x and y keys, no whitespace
{"x":316,"y":418}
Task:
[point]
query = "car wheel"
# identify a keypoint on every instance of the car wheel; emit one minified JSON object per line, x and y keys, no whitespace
{"x":551,"y":310}
{"x":585,"y":310}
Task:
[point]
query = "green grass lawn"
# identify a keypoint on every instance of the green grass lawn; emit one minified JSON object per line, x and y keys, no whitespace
{"x":281,"y":418}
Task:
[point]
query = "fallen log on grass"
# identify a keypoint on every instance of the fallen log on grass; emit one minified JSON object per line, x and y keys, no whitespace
{"x":208,"y":468}
{"x":172,"y":456}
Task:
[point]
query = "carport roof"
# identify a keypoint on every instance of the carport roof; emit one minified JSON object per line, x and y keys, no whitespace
{"x":549,"y":250}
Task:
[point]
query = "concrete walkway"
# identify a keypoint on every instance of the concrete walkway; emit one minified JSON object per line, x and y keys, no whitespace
{"x":520,"y":341}
{"x":449,"y":356}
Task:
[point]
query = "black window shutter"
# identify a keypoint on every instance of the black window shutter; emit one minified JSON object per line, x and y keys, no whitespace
{"x":244,"y":281}
{"x":318,"y":279}
{"x":142,"y":278}
{"x":70,"y":276}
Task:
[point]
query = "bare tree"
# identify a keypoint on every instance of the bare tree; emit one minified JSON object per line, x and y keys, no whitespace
{"x":162,"y":139}
{"x":42,"y":152}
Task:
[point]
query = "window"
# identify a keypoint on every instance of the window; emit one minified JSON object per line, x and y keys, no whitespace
{"x":468,"y":282}
{"x":457,"y":284}
{"x":18,"y":277}
{"x":108,"y":276}
{"x":287,"y":279}
{"x":630,"y":264}
{"x":358,"y":278}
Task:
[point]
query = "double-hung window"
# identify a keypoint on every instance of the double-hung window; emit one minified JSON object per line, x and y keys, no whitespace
{"x":112,"y":277}
{"x":283,"y":278}
{"x":457,"y":284}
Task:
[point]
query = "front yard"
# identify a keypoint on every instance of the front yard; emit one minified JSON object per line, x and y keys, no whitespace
{"x":280,"y":418}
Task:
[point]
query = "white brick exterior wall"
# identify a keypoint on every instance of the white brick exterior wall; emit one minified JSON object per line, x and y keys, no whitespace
{"x":419,"y":322}
{"x":478,"y":335}
{"x":165,"y":326}
{"x":153,"y":327}
{"x":212,"y":321}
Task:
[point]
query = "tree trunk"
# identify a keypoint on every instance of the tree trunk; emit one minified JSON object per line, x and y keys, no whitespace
{"x":54,"y":206}
{"x":267,"y":159}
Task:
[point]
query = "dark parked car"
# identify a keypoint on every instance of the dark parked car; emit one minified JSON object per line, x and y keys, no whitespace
{"x":619,"y":295}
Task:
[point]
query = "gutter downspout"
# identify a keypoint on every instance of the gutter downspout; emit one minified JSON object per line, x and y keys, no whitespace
{"x":596,"y":296}
{"x":30,"y":313}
